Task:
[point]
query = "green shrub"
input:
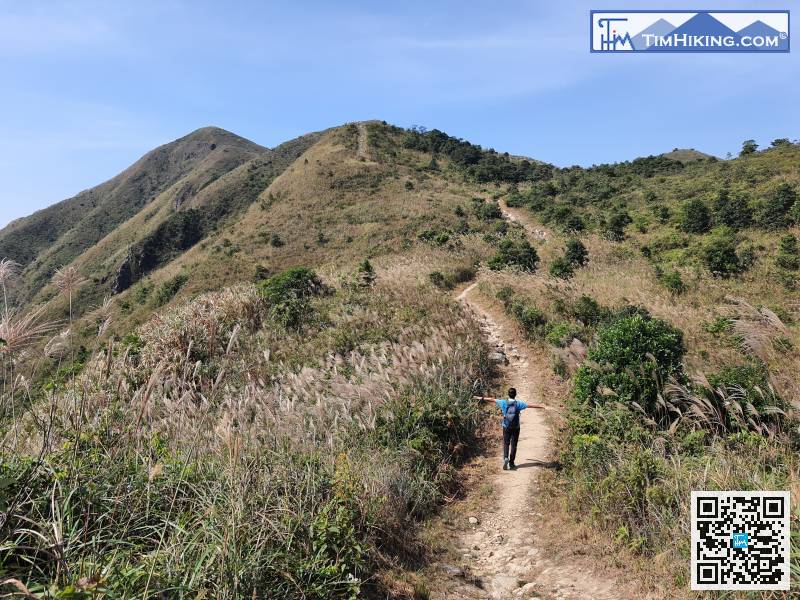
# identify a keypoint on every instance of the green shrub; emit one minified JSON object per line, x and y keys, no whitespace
{"x":516,"y":200}
{"x":275,"y":241}
{"x":518,"y":254}
{"x":612,"y":421}
{"x":573,"y":224}
{"x":143,"y":292}
{"x":505,"y":294}
{"x":773,"y":212}
{"x":560,"y":333}
{"x":133,"y":343}
{"x":694,"y":442}
{"x":671,"y":280}
{"x":732,"y":211}
{"x":487,"y":211}
{"x":749,"y":380}
{"x":718,"y":326}
{"x":428,"y":427}
{"x":561,"y":268}
{"x":585,"y":309}
{"x":437,"y":279}
{"x":695,"y":217}
{"x":287,"y":295}
{"x":576,"y":253}
{"x":587,"y":452}
{"x":788,"y":253}
{"x":662,"y":213}
{"x":630,"y":359}
{"x":169,"y":288}
{"x":719,"y":253}
{"x":452,"y":277}
{"x":531,"y":319}
{"x":614,"y":229}
{"x":788,"y":280}
{"x":366,"y":273}
{"x":261,"y":273}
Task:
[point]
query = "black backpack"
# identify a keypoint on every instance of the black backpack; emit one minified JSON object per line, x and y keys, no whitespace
{"x":511,"y":417}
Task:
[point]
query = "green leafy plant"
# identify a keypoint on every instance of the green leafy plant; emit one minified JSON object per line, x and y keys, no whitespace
{"x":788,"y":253}
{"x":518,"y":254}
{"x":169,"y":288}
{"x":695,"y":216}
{"x":576,"y":253}
{"x":671,"y":280}
{"x":287,"y":295}
{"x":733,"y":211}
{"x":561,"y":268}
{"x":774,"y":210}
{"x":629,"y":361}
{"x":719,"y":253}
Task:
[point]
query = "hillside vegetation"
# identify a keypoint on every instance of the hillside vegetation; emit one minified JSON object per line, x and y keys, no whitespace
{"x":275,"y":437}
{"x":254,"y":381}
{"x":666,"y":299}
{"x":59,"y":234}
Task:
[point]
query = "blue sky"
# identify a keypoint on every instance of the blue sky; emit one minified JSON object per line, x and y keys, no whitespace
{"x":88,"y":87}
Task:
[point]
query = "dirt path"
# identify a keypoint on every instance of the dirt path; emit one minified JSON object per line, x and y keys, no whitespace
{"x":516,"y":215}
{"x":361,"y":151}
{"x":502,"y":547}
{"x":502,"y":552}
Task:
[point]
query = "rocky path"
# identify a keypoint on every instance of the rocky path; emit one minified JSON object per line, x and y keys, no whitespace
{"x":501,"y":550}
{"x":361,"y":151}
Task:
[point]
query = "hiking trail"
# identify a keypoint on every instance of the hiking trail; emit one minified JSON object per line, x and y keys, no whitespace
{"x":361,"y":151}
{"x":500,"y":551}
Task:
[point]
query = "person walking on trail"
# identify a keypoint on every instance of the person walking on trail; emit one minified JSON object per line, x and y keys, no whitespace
{"x":510,"y":408}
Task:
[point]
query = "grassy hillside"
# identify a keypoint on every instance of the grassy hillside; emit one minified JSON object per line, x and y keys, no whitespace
{"x":160,"y":442}
{"x":666,"y":299}
{"x":59,"y":234}
{"x":230,"y":423}
{"x":312,"y":201}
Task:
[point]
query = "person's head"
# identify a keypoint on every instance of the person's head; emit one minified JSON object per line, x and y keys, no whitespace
{"x":512,"y":393}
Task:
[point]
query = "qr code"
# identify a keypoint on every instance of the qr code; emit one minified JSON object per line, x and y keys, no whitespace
{"x":740,"y":540}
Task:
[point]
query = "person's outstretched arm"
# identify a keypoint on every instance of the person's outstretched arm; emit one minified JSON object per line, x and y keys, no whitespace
{"x":523,"y":405}
{"x":491,"y":399}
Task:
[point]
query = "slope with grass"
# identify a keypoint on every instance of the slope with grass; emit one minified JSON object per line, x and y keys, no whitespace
{"x":157,"y":443}
{"x":665,"y":297}
{"x":316,"y":200}
{"x":59,"y":234}
{"x":280,"y":325}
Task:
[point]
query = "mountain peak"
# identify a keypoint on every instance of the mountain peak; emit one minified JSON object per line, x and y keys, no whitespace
{"x":686,"y":154}
{"x":217,"y":135}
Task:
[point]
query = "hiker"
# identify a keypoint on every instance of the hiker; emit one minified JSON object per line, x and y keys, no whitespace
{"x":510,"y":408}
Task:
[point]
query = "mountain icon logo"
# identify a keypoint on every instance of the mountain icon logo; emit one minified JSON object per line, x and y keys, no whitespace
{"x":690,"y":31}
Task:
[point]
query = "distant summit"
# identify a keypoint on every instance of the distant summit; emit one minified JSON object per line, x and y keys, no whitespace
{"x":686,"y":155}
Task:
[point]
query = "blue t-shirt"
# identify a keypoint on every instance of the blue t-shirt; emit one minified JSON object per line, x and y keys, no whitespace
{"x":503,"y":403}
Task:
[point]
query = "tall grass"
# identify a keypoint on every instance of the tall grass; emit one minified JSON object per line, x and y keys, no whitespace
{"x":214,"y":453}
